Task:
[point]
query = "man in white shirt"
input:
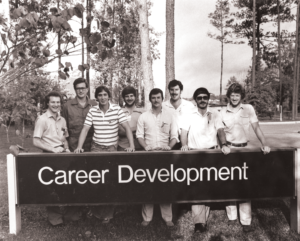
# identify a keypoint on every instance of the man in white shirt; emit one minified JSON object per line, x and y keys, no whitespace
{"x":199,"y":131}
{"x":177,"y":106}
{"x":237,"y":118}
{"x":157,"y":130}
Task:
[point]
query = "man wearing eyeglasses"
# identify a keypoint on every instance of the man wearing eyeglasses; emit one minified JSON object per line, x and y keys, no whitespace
{"x":199,"y":131}
{"x":75,"y":112}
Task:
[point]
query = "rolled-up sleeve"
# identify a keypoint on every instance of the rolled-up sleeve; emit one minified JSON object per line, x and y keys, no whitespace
{"x":174,"y":129}
{"x":39,"y":128}
{"x":89,"y":119}
{"x":140,"y":133}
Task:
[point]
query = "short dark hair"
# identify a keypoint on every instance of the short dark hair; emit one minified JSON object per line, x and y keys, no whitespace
{"x":175,"y":82}
{"x":100,"y":89}
{"x":156,"y":91}
{"x":200,"y":91}
{"x":53,"y":94}
{"x":79,"y":81}
{"x":236,"y":88}
{"x":128,"y":90}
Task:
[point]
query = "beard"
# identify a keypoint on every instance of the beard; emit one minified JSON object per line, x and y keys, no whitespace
{"x":234,"y":105}
{"x":202,"y":107}
{"x":129,"y":105}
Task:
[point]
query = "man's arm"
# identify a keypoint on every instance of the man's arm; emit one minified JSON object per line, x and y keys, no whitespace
{"x":140,"y":134}
{"x":39,"y":143}
{"x":173,"y":135}
{"x":129,"y":136}
{"x":222,"y":137}
{"x":184,"y":140}
{"x":82,"y":137}
{"x":266,"y":149}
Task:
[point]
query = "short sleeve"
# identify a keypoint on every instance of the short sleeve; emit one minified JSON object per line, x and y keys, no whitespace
{"x":89,"y":119}
{"x":186,"y":122}
{"x":252,"y":115}
{"x":39,"y":128}
{"x":218,"y":121}
{"x":121,"y":116}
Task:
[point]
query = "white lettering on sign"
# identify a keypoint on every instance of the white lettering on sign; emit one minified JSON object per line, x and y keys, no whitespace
{"x":65,"y":177}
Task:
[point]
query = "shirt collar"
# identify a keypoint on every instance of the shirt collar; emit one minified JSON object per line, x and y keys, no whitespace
{"x":183,"y":103}
{"x":75,"y":101}
{"x":49,"y":115}
{"x":208,"y":111}
{"x":229,"y":107}
{"x":110,"y":107}
{"x":151,"y":110}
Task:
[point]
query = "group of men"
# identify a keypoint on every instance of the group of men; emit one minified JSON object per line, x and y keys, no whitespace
{"x":84,"y":125}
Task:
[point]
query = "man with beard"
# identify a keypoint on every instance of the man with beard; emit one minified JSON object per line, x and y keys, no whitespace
{"x":75,"y":111}
{"x":133,"y":113}
{"x":237,"y":118}
{"x":177,"y":106}
{"x":199,"y":131}
{"x":157,"y":130}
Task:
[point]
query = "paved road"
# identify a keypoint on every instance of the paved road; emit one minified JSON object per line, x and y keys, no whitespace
{"x":278,"y":135}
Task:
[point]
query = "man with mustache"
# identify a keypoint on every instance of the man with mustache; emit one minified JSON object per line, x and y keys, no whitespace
{"x":157,"y":130}
{"x":199,"y":131}
{"x":133,"y":113}
{"x":237,"y":118}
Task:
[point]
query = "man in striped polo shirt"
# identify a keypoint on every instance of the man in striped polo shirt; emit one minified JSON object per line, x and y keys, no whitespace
{"x":105,"y":118}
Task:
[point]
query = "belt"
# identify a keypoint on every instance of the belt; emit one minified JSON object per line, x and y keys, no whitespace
{"x":236,"y":145}
{"x":213,"y":147}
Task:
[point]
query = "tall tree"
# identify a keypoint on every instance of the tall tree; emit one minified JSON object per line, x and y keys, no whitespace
{"x":219,"y":20}
{"x":253,"y":42}
{"x":170,"y":37}
{"x":296,"y":66}
{"x":146,"y":60}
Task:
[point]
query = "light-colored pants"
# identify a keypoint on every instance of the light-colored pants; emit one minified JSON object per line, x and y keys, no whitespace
{"x":245,"y":212}
{"x":104,"y":211}
{"x":165,"y":209}
{"x":200,"y":213}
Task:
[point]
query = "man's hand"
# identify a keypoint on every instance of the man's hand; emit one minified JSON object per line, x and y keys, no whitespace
{"x":225,"y":149}
{"x":58,"y":149}
{"x":130,"y":149}
{"x":78,"y":150}
{"x":165,"y":148}
{"x":185,"y":148}
{"x":17,"y":132}
{"x":266,"y":149}
{"x":148,"y":148}
{"x":67,"y":150}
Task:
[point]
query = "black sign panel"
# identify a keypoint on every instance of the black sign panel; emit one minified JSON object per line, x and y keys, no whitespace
{"x":154,"y":177}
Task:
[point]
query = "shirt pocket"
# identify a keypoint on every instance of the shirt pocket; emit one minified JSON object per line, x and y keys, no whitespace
{"x":165,"y":128}
{"x":244,"y":119}
{"x":113,"y":122}
{"x":229,"y":122}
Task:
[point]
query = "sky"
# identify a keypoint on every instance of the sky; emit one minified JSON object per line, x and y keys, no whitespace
{"x":197,"y":57}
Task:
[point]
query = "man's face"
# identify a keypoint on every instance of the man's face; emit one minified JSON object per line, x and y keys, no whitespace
{"x":202,"y":101}
{"x":54,"y":104}
{"x":235,"y":99}
{"x":129,"y":100}
{"x":156,"y":100}
{"x":103,"y":98}
{"x":81,"y":90}
{"x":65,"y":99}
{"x":175,"y":92}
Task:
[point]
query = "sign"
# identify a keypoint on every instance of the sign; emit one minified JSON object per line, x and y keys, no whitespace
{"x":154,"y":177}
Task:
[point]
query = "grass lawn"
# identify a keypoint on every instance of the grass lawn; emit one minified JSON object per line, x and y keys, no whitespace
{"x":270,"y":218}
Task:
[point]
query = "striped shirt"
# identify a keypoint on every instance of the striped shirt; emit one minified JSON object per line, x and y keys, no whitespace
{"x":106,"y":125}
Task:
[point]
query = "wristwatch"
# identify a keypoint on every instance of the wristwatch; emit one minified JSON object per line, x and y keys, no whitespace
{"x":224,"y":144}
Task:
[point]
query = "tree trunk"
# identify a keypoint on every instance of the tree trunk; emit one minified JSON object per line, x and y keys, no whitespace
{"x":279,"y":60}
{"x":146,"y":60}
{"x":254,"y":45}
{"x":222,"y":46}
{"x":296,"y":66}
{"x":88,"y":55}
{"x":82,"y":46}
{"x":58,"y":47}
{"x":170,"y":36}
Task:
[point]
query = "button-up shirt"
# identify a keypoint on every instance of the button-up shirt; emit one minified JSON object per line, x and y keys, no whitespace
{"x":185,"y":108}
{"x":157,"y":131}
{"x":202,"y":129}
{"x":237,"y":122}
{"x":52,"y":131}
{"x":132,"y":119}
{"x":106,"y":125}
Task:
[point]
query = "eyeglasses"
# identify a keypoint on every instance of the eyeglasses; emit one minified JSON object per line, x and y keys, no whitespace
{"x":202,"y":98}
{"x":78,"y":89}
